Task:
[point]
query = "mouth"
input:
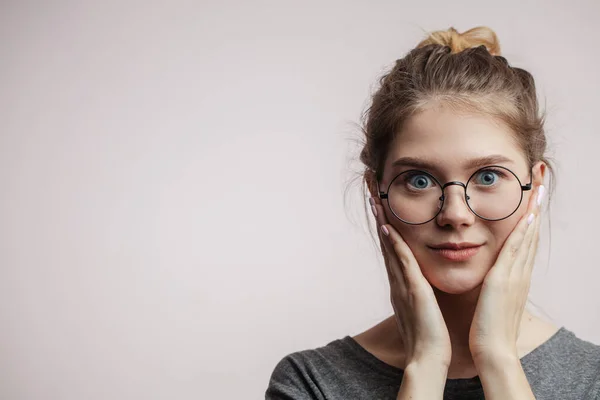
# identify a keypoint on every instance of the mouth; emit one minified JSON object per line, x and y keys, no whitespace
{"x":462,"y":254}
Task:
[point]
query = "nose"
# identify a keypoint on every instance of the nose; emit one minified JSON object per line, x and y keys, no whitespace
{"x":455,"y":211}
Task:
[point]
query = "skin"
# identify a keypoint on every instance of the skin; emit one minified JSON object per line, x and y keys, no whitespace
{"x":448,"y":139}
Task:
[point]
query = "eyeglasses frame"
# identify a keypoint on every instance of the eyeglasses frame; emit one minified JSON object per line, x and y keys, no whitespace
{"x":526,"y":187}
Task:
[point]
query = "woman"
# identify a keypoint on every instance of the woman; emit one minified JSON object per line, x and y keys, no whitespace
{"x":455,"y":165}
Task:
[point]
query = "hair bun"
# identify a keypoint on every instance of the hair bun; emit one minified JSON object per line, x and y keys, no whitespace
{"x":481,"y":35}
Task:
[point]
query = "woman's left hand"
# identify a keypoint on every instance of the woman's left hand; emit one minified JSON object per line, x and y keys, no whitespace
{"x":497,"y":320}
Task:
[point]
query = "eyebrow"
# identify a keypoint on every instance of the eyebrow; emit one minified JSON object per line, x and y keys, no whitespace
{"x":470,"y":164}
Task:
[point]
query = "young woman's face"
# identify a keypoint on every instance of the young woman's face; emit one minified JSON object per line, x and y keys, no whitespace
{"x":447,"y":141}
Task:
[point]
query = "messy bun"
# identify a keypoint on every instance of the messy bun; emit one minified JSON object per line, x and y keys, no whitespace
{"x":481,"y":35}
{"x":463,"y":71}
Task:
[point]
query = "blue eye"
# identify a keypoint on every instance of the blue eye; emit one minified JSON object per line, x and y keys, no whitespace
{"x":418,"y":181}
{"x":490,"y":177}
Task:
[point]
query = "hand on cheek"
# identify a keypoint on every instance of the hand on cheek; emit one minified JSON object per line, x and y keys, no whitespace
{"x":418,"y":317}
{"x":496,"y":323}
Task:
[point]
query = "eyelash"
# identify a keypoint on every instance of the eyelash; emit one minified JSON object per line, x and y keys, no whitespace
{"x":497,"y":171}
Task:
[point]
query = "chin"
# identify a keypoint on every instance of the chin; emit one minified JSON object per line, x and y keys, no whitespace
{"x":455,"y":278}
{"x":455,"y":287}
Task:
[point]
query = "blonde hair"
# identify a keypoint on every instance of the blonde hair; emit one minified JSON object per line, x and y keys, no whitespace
{"x":464,"y":71}
{"x":461,"y":41}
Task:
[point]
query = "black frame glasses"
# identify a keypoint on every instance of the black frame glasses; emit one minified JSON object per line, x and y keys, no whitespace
{"x":384,"y":195}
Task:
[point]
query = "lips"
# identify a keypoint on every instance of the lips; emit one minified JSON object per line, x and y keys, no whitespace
{"x":455,"y":246}
{"x":461,"y":254}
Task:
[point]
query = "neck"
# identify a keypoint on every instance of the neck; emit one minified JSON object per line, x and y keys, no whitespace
{"x":458,"y":311}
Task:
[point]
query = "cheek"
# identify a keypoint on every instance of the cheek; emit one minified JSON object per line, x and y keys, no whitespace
{"x":416,"y":237}
{"x":501,"y":230}
{"x":410,"y":233}
{"x":493,"y":233}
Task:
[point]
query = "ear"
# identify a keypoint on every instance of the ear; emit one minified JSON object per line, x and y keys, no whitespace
{"x":371,"y":180}
{"x":539,"y":173}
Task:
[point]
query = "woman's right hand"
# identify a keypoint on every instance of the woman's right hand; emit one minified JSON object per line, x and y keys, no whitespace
{"x":418,"y":316}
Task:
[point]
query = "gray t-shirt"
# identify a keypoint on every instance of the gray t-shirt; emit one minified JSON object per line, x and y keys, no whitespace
{"x":564,"y":367}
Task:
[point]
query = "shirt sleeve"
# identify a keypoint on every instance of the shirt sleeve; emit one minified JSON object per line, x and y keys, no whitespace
{"x":290,"y":380}
{"x":594,"y":390}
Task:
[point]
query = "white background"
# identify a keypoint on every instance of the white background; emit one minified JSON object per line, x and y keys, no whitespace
{"x":173,"y":219}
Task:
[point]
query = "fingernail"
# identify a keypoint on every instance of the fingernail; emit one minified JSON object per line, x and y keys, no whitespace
{"x":374,"y":210}
{"x":541,"y":191}
{"x":530,"y":219}
{"x":385,"y":230}
{"x":371,"y":201}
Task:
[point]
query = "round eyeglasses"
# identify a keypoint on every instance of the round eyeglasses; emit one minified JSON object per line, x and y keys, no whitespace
{"x":493,"y":193}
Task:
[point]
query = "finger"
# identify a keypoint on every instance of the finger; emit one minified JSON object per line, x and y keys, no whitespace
{"x":391,"y":262}
{"x":407,"y":265}
{"x":377,"y":226}
{"x":532,"y":204}
{"x":536,"y":239}
{"x":386,"y":251}
{"x":380,"y":217}
{"x":529,"y":264}
{"x":378,"y":211}
{"x":520,"y":263}
{"x":392,"y":265}
{"x":529,"y":246}
{"x":398,"y":283}
{"x":511,"y":249}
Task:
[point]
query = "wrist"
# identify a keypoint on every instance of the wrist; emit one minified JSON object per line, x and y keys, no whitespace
{"x":428,"y":365}
{"x":495,"y":361}
{"x":423,"y":379}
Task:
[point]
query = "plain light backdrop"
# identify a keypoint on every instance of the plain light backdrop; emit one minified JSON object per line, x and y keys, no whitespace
{"x":173,"y":176}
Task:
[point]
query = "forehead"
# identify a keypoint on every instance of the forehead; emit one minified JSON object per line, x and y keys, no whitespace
{"x":449,"y":139}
